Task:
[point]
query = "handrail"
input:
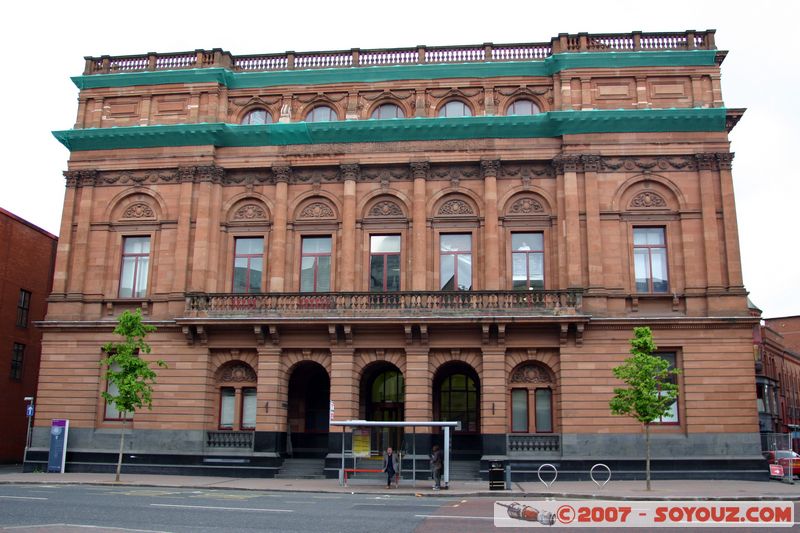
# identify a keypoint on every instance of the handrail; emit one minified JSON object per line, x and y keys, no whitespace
{"x":419,"y":55}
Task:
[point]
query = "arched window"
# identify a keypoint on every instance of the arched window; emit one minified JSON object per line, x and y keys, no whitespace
{"x":385,"y":111}
{"x":455,"y":108}
{"x":458,"y":400}
{"x":522,"y":106}
{"x":322,"y":113}
{"x":257,"y":116}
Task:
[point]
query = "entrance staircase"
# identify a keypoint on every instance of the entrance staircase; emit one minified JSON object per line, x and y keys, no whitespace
{"x":302,"y":469}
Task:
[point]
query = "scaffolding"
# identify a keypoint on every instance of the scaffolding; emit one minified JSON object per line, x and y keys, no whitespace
{"x":413,"y":425}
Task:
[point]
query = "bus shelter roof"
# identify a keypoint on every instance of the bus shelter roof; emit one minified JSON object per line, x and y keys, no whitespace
{"x":380,"y":423}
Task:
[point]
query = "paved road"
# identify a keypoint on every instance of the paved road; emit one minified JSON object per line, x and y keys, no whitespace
{"x":62,"y":508}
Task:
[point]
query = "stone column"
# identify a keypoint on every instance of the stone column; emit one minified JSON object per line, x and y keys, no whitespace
{"x":419,"y":230}
{"x":350,"y":174}
{"x":586,"y":94}
{"x":493,"y":399}
{"x":705,"y":166}
{"x":277,"y":247}
{"x":183,"y":234}
{"x":594,"y":238}
{"x":641,"y":93}
{"x":344,"y":393}
{"x":571,"y":221}
{"x":732,"y":256}
{"x":419,"y":394}
{"x":491,"y":248}
{"x":64,"y":255}
{"x":85,"y":181}
{"x":271,"y":411}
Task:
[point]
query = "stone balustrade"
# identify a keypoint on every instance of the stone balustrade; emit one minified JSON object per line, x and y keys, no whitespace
{"x":532,"y":444}
{"x":382,"y":304}
{"x":420,"y":55}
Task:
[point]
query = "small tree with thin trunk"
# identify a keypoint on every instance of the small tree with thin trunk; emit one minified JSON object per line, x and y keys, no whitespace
{"x":130,"y":374}
{"x":650,"y":393}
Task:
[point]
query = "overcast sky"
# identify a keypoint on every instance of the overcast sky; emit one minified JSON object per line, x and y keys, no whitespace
{"x":44,"y":44}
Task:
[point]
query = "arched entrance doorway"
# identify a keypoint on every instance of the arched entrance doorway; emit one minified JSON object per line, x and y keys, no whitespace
{"x":309,"y":401}
{"x":456,"y":398}
{"x":383,"y":399}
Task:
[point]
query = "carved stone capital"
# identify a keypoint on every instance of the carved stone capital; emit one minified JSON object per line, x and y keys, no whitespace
{"x":725,"y":160}
{"x":282,"y":173}
{"x":350,"y":171}
{"x":490,"y":167}
{"x":566,"y":163}
{"x":705,"y":161}
{"x":81,"y":178}
{"x":420,"y":169}
{"x":591,"y":162}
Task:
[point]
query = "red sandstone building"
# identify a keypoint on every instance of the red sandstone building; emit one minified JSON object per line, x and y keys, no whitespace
{"x":456,"y":233}
{"x":778,"y":383}
{"x":27,"y":258}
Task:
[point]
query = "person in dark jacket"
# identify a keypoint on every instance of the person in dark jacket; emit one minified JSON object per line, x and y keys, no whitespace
{"x":389,"y":466}
{"x":437,"y":465}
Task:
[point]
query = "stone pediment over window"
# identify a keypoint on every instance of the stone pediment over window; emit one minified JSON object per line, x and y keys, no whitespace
{"x":530,"y":373}
{"x":455,"y":207}
{"x":648,"y":200}
{"x":316,"y":210}
{"x":138,"y":211}
{"x":385,"y":209}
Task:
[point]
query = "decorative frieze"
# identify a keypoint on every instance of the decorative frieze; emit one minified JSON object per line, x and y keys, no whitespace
{"x":490,"y":167}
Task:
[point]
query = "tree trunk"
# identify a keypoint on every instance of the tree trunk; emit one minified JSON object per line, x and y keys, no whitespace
{"x":647,"y":455}
{"x":121,"y":446}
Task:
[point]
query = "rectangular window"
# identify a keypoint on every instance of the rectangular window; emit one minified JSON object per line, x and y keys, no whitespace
{"x":17,"y":360}
{"x":672,"y":416}
{"x":248,"y":408}
{"x":455,"y":262}
{"x":248,"y":264}
{"x":23,"y":307}
{"x":227,"y":407}
{"x":544,"y":411}
{"x":111,"y":412}
{"x":519,"y":410}
{"x":527,"y":258}
{"x":315,"y":264}
{"x":135,"y":264}
{"x":384,"y":263}
{"x":650,"y":260}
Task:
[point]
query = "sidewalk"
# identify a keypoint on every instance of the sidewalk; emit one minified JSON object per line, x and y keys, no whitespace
{"x":614,"y":490}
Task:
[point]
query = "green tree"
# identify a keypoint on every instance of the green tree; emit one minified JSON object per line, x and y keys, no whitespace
{"x":650,"y":393}
{"x":130,"y":374}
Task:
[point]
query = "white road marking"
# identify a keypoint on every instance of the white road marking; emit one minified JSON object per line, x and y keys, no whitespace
{"x":221,"y":508}
{"x":23,"y":498}
{"x":86,"y":526}
{"x":455,"y":517}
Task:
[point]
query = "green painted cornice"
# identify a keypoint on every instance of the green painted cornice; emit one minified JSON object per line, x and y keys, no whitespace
{"x":546,"y":67}
{"x":551,"y":124}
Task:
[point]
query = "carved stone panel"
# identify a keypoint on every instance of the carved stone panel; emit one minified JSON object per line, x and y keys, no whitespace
{"x":646,"y":200}
{"x":316,"y":210}
{"x":137,"y":211}
{"x":249,"y":212}
{"x":456,"y":208}
{"x":526,"y":206}
{"x":530,"y":374}
{"x":385,"y":208}
{"x":237,"y":373}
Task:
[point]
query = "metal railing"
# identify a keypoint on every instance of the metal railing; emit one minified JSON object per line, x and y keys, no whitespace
{"x":381,"y":304}
{"x":532,"y":444}
{"x":240,"y":440}
{"x":582,"y":42}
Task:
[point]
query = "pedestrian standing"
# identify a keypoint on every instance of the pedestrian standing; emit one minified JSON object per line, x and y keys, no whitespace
{"x":437,"y":465}
{"x":389,"y":466}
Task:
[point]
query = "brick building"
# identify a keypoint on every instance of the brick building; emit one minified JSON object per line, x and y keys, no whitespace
{"x":459,"y":233}
{"x":778,"y":383}
{"x":27,"y":259}
{"x":789,"y":329}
